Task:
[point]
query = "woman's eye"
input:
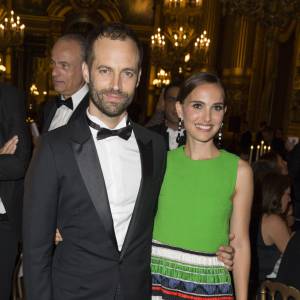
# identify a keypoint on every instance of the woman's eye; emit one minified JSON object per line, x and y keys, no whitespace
{"x":218,"y":107}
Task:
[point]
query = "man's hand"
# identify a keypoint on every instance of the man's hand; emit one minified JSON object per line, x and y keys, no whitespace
{"x":10,"y":146}
{"x":58,"y":238}
{"x":226,"y":254}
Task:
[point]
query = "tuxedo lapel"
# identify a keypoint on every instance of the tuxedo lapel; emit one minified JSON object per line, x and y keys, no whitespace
{"x":88,"y":163}
{"x":49,"y":117}
{"x":146,"y":155}
{"x":81,"y":108}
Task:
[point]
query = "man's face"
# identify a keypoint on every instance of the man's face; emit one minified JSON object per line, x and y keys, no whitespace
{"x":66,"y":63}
{"x":170,"y":104}
{"x":113,"y":76}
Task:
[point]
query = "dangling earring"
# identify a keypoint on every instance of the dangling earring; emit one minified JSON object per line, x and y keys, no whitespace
{"x":180,"y":126}
{"x":220,"y":134}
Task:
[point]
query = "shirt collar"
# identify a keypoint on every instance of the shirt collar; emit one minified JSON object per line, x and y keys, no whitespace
{"x":78,"y":96}
{"x":121,"y":124}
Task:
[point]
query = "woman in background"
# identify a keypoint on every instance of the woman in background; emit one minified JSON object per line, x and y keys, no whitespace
{"x":274,"y":232}
{"x":206,"y":194}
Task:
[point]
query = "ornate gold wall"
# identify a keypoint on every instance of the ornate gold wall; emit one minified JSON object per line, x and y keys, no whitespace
{"x":259,"y":64}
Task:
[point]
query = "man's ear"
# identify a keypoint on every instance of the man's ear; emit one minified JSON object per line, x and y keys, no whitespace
{"x":139,"y":78}
{"x":179,"y":109}
{"x":85,"y":72}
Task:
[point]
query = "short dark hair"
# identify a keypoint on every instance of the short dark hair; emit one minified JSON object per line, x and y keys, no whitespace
{"x":170,"y":86}
{"x":79,"y":39}
{"x":196,"y":80}
{"x":113,"y":31}
{"x":272,"y":188}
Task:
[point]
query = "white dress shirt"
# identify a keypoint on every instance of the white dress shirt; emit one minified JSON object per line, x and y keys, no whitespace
{"x":2,"y":208}
{"x":63,"y":113}
{"x":172,"y":138}
{"x":121,"y":166}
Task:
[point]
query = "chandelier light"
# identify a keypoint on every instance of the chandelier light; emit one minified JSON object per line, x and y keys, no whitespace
{"x":162,"y":79}
{"x":11,"y":31}
{"x":2,"y":67}
{"x":179,"y":44}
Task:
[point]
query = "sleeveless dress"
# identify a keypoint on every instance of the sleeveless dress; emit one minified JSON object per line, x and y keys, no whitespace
{"x":192,"y":221}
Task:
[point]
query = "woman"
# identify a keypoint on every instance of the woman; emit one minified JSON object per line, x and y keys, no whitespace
{"x":277,"y":160}
{"x":206,"y":194}
{"x":274,"y":232}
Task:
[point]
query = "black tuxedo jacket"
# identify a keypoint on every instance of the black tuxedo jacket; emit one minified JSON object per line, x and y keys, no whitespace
{"x":294,"y":172}
{"x":65,"y":188}
{"x":50,"y":110}
{"x":13,"y":167}
{"x":162,"y":130}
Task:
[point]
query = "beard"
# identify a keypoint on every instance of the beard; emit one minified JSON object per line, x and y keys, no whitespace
{"x":108,"y":108}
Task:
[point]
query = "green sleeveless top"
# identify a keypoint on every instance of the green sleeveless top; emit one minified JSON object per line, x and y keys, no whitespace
{"x":195,"y":201}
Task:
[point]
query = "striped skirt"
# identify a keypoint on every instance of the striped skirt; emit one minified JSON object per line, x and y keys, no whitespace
{"x":181,"y":274}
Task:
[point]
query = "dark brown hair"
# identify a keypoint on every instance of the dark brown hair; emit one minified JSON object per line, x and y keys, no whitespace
{"x":113,"y":31}
{"x":196,"y":80}
{"x":272,"y":187}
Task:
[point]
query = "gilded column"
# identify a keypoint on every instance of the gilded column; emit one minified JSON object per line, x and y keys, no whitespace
{"x":236,"y":62}
{"x":211,"y":23}
{"x":151,"y":101}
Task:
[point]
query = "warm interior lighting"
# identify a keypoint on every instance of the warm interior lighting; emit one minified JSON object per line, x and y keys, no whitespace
{"x":11,"y":31}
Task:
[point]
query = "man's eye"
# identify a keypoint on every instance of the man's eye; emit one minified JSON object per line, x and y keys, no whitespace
{"x":129,"y":74}
{"x":103,"y":71}
{"x":197,"y":105}
{"x":65,"y":66}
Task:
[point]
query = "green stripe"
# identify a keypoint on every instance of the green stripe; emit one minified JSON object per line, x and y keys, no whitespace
{"x":197,"y":274}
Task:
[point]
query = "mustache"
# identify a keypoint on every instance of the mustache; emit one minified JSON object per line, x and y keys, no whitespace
{"x":113,"y":92}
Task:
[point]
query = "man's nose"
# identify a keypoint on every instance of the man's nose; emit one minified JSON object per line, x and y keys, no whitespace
{"x":116,"y":82}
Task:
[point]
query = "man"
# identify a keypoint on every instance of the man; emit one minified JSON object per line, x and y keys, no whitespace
{"x":97,"y":180}
{"x":14,"y":158}
{"x":67,"y":56}
{"x":169,"y":127}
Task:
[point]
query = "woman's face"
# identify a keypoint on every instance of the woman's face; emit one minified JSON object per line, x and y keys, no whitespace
{"x":202,"y":112}
{"x":285,"y":199}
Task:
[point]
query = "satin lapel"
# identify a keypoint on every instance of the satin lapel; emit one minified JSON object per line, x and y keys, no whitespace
{"x":87,"y":159}
{"x":51,"y":114}
{"x":146,"y":154}
{"x":81,"y":108}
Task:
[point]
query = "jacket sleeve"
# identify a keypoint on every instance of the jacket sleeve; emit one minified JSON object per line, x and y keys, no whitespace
{"x":13,"y":167}
{"x":39,"y":222}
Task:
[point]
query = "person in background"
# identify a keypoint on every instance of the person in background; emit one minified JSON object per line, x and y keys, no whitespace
{"x":168,"y":128}
{"x":274,"y":232}
{"x":15,"y":152}
{"x":294,"y":172}
{"x":67,"y":57}
{"x":204,"y":190}
{"x":276,"y":160}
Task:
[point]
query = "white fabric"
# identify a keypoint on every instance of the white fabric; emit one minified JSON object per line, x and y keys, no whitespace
{"x":63,"y":113}
{"x":185,"y":257}
{"x":172,"y":138}
{"x":2,"y":208}
{"x":121,"y":166}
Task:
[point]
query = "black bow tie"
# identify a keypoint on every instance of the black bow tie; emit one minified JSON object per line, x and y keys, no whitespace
{"x":67,"y":102}
{"x":103,"y":133}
